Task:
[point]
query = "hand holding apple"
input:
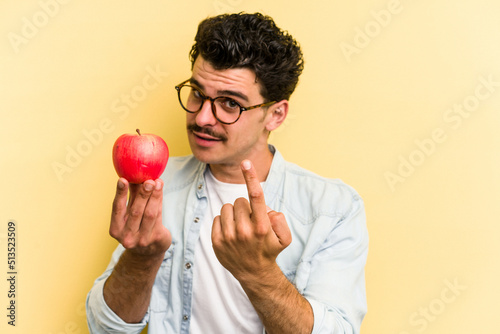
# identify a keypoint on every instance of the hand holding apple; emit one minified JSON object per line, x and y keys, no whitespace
{"x":140,"y":157}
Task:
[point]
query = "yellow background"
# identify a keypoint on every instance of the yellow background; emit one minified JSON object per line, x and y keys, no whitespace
{"x":356,"y":115}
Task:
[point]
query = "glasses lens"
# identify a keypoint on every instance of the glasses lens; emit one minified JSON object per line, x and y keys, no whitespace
{"x":226,"y":109}
{"x":190,"y":98}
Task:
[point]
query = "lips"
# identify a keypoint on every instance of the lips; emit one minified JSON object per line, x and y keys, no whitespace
{"x":205,"y":136}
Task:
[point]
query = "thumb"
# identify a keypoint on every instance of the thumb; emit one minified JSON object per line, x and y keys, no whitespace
{"x":120,"y":201}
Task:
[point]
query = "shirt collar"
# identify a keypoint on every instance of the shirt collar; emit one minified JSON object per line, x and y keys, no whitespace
{"x":272,"y":184}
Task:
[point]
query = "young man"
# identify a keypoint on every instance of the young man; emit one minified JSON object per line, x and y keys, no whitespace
{"x":233,"y":239}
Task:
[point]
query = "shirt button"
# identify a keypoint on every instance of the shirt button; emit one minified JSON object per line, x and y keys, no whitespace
{"x":188,"y":265}
{"x":185,"y":318}
{"x":197,"y":219}
{"x":200,"y":186}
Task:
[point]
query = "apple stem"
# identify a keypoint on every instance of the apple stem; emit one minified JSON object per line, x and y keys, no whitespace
{"x":139,"y":132}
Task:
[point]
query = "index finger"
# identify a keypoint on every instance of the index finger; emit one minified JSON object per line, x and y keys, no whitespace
{"x":255,"y":192}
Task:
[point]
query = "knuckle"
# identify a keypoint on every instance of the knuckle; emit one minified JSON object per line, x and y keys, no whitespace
{"x":135,"y":214}
{"x":128,"y":242}
{"x":254,"y":193}
{"x":276,"y":218}
{"x":243,"y":232}
{"x":114,"y":232}
{"x":261,"y":230}
{"x":226,"y":212}
{"x":279,"y":216}
{"x":116,"y":210}
{"x":229,"y":235}
{"x":144,"y":194}
{"x":227,"y":207}
{"x":158,"y":192}
{"x":240,"y":201}
{"x":149,"y":215}
{"x":143,"y":243}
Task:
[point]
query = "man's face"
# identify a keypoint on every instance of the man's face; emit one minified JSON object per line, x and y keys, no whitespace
{"x":220,"y":144}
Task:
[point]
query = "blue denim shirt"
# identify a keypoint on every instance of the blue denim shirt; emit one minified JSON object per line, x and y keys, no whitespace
{"x":325,"y":260}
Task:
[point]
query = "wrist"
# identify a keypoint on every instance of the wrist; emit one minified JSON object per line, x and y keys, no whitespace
{"x":142,"y":261}
{"x":267,"y":278}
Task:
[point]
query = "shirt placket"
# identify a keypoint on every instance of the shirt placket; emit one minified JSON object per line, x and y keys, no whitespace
{"x":192,"y":230}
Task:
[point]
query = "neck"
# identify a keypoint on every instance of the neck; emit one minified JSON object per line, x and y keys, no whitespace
{"x":231,"y":173}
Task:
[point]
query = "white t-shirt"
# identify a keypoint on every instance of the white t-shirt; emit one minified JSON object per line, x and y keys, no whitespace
{"x":219,"y":303}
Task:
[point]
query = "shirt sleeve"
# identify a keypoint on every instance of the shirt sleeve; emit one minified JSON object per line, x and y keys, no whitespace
{"x":100,"y":318}
{"x":335,"y":283}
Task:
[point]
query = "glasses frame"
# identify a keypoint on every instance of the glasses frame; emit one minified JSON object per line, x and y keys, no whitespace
{"x":212,"y":100}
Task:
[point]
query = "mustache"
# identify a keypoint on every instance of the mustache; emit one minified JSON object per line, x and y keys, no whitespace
{"x":207,"y":131}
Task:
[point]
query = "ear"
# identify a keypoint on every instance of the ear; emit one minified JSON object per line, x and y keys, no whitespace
{"x":276,"y":115}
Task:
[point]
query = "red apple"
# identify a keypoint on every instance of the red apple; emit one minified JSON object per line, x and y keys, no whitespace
{"x":140,"y":157}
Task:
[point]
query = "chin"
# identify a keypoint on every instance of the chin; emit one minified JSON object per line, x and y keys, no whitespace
{"x":202,"y":154}
{"x":209,"y":158}
{"x":202,"y":157}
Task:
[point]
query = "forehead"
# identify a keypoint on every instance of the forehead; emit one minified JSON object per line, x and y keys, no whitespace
{"x":213,"y":81}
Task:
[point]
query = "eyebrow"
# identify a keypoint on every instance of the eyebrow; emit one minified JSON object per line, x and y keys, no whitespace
{"x":225,"y":92}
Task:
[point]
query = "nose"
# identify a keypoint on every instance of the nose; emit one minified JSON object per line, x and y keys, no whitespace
{"x":205,"y":116}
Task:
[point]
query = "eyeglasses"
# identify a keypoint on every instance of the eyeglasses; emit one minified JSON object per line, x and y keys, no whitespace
{"x":225,"y":109}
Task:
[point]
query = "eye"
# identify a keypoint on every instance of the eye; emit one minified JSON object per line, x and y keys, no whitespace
{"x":229,"y":105}
{"x":196,"y":93}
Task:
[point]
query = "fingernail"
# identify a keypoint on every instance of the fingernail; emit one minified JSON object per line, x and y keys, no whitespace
{"x":148,"y":186}
{"x":121,"y":185}
{"x":158,"y":185}
{"x":246,"y":164}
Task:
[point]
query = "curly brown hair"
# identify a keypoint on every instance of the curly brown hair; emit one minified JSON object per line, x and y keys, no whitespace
{"x":251,"y":41}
